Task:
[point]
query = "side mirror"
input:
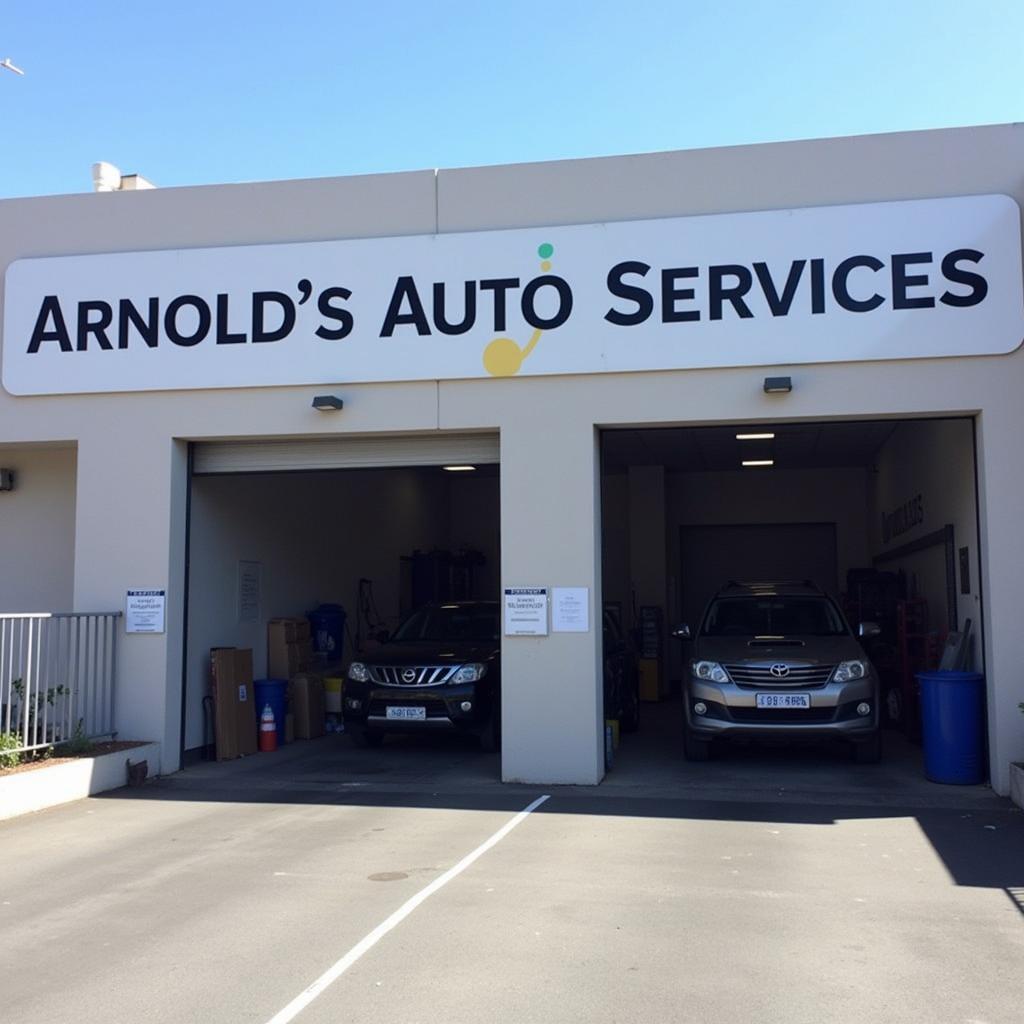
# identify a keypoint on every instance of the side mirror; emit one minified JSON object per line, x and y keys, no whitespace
{"x":868,"y":630}
{"x":682,"y":632}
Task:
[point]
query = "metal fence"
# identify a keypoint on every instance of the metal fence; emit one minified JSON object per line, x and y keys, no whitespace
{"x":57,"y":677}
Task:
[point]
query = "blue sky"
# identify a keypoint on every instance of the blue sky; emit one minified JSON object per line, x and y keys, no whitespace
{"x":191,"y":93}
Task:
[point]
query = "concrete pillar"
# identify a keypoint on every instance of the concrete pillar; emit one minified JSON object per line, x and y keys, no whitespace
{"x":552,"y":690}
{"x":130,"y":533}
{"x":1001,"y":511}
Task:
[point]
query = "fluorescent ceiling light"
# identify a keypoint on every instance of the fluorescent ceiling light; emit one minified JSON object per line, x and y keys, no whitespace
{"x":459,"y":469}
{"x":754,"y":437}
{"x":758,"y":462}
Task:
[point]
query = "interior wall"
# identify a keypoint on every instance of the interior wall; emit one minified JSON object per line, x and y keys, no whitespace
{"x":475,"y":510}
{"x":37,"y":530}
{"x":615,"y":541}
{"x":933,"y":459}
{"x":315,"y":535}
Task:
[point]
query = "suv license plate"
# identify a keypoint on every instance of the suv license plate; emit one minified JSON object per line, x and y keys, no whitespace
{"x":417,"y":714}
{"x":783,"y":700}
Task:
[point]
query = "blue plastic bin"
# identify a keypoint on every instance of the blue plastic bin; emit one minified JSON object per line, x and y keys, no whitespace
{"x":327,"y":624}
{"x":272,"y":692}
{"x":952,"y":723}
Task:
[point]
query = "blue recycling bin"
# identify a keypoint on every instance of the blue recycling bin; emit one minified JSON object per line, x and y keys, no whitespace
{"x":953,"y":726}
{"x":327,"y":624}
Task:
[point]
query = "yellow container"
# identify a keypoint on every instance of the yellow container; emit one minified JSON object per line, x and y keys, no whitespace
{"x":334,"y":686}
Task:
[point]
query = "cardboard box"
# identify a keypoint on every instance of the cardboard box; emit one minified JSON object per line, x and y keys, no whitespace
{"x":233,"y":702}
{"x":289,"y":648}
{"x":307,"y":704}
{"x":288,"y":631}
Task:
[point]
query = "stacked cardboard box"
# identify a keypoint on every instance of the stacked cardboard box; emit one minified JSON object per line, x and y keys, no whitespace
{"x":233,"y":702}
{"x":306,"y":700}
{"x":289,"y":648}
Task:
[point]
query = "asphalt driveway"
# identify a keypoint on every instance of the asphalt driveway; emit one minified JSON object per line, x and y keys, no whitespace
{"x":406,"y":885}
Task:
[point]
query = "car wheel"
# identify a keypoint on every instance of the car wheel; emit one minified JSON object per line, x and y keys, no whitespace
{"x":694,"y":747}
{"x":869,"y":751}
{"x":367,"y":737}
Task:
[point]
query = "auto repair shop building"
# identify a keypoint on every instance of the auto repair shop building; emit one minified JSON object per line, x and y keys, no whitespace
{"x":591,"y":336}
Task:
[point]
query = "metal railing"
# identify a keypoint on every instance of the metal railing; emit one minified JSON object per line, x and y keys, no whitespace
{"x":57,"y":675}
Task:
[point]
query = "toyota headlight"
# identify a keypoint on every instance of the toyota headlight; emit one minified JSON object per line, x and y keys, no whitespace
{"x":469,"y":674}
{"x":358,"y":672}
{"x":710,"y":670}
{"x":848,"y":670}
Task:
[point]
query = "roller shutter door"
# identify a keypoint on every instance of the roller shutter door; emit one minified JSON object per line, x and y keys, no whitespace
{"x":346,"y":452}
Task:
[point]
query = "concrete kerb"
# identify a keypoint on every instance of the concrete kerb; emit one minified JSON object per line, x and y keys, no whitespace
{"x":55,"y":784}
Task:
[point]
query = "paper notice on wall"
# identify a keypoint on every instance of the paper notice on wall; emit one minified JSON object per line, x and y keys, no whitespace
{"x":526,"y":611}
{"x":144,"y":611}
{"x":570,"y":610}
{"x":249,"y":591}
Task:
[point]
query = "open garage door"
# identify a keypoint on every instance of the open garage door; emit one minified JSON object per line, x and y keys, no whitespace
{"x":344,"y":453}
{"x":876,"y":518}
{"x":311,"y":553}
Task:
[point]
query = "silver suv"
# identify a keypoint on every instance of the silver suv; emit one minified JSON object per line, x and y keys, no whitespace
{"x":779,"y":660}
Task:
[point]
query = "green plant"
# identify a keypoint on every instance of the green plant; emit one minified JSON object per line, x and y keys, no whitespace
{"x":35,"y":705}
{"x":79,"y":742}
{"x":9,"y":756}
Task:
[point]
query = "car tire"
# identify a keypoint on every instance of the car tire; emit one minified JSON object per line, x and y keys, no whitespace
{"x":695,"y":748}
{"x":869,"y":751}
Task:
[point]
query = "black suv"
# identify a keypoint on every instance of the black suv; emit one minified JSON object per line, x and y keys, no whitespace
{"x":440,"y":670}
{"x":779,"y":659}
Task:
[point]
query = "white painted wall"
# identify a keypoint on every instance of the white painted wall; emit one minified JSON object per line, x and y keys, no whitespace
{"x":37,"y":530}
{"x":130,"y":481}
{"x":933,"y":458}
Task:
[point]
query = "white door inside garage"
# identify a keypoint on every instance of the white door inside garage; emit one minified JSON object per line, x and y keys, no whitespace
{"x":375,"y":524}
{"x":709,"y":555}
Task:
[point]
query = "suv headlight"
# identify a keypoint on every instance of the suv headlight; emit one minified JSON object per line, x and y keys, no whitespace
{"x":469,"y":674}
{"x":358,"y":672}
{"x":710,"y":670}
{"x":847,"y":670}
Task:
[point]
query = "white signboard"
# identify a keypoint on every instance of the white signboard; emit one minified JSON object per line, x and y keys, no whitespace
{"x":526,"y":611}
{"x":144,"y":611}
{"x":900,"y":280}
{"x":249,"y":591}
{"x":570,"y":610}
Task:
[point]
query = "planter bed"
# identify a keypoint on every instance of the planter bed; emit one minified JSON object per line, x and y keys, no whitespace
{"x":58,"y":780}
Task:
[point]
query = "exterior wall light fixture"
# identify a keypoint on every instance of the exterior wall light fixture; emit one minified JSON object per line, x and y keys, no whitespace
{"x":328,"y":403}
{"x":778,"y":385}
{"x":6,"y":479}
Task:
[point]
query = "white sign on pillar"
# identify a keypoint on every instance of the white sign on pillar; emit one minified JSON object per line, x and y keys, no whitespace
{"x":526,"y":611}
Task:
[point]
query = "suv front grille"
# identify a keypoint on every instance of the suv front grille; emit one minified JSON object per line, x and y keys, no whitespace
{"x":411,"y":675}
{"x":798,"y":675}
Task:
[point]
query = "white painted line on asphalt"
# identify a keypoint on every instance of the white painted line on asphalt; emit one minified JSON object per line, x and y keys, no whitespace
{"x":301,"y":1001}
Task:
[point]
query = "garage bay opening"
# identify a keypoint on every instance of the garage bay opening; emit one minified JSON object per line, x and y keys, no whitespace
{"x":779,"y":588}
{"x":348,"y":585}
